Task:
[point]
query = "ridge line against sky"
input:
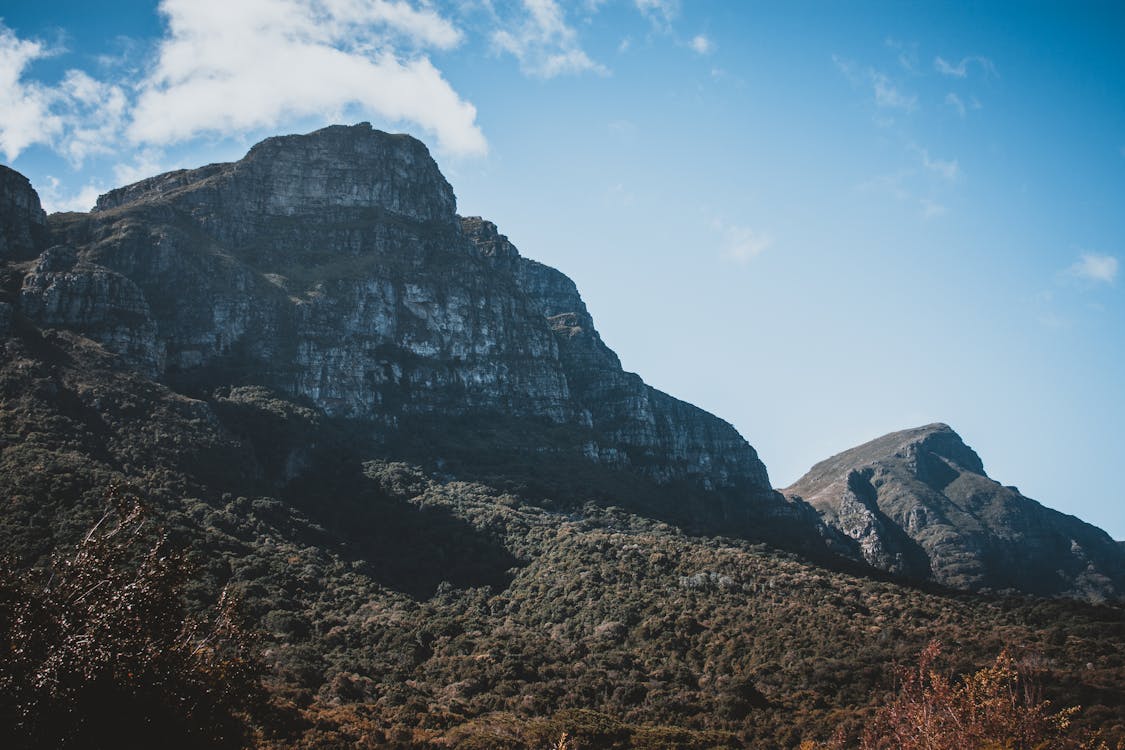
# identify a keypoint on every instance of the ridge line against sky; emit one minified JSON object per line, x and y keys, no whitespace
{"x":849,"y":220}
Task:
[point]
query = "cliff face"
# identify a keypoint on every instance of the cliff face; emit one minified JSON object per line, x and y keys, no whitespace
{"x":918,"y":503}
{"x":23,"y":224}
{"x":334,"y":268}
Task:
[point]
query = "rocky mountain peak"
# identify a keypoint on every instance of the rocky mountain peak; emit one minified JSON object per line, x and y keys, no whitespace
{"x":320,"y":176}
{"x":917,"y":502}
{"x":332,"y":268}
{"x":912,"y":450}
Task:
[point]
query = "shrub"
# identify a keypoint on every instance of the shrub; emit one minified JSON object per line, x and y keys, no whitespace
{"x":1000,"y":706}
{"x":100,"y":653}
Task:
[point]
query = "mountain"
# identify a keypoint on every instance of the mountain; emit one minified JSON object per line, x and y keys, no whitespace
{"x":332,"y":267}
{"x":333,"y":270}
{"x":403,"y":607}
{"x":919,"y":504}
{"x":449,"y":516}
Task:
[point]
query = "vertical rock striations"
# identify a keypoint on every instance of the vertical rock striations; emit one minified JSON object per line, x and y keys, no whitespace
{"x":333,"y":266}
{"x":638,"y":424}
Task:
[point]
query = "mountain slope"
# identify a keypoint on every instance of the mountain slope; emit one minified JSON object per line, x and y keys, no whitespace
{"x":333,"y":267}
{"x":407,"y":453}
{"x":407,"y":609}
{"x":918,"y":503}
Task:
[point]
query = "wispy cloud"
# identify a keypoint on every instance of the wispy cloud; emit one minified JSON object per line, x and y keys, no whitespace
{"x":932,"y":209}
{"x":961,"y":69}
{"x":702,"y":44}
{"x":741,"y":244}
{"x":888,"y":95}
{"x":545,"y":45}
{"x":948,"y":169}
{"x":660,"y":13}
{"x":955,"y":101}
{"x":892,"y":184}
{"x":907,"y":53}
{"x":147,"y":162}
{"x":885,"y":91}
{"x":1094,"y":267}
{"x":55,"y":199}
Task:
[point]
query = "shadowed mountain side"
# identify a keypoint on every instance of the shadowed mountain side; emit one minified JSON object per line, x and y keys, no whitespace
{"x":919,"y":504}
{"x":73,"y":425}
{"x":405,"y":453}
{"x":333,"y":268}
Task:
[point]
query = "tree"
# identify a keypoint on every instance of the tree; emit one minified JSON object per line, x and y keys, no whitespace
{"x":100,"y":652}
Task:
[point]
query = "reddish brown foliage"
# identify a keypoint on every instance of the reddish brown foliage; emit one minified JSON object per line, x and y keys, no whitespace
{"x":100,"y":652}
{"x":1000,"y":706}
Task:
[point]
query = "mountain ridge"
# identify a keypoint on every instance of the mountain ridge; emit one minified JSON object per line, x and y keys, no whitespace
{"x":449,"y":516}
{"x":332,"y":267}
{"x":919,"y":503}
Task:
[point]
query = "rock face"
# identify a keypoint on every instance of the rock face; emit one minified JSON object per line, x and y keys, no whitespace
{"x":333,"y":267}
{"x":918,"y":503}
{"x":61,"y":292}
{"x":23,"y":224}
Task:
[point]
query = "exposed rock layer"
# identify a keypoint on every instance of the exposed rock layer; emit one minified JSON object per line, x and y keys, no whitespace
{"x":918,"y":503}
{"x":333,"y":266}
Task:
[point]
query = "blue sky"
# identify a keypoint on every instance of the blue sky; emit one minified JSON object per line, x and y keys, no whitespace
{"x":821,"y":221}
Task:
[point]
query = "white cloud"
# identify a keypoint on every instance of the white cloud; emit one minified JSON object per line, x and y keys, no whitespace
{"x":96,"y":113}
{"x":545,"y":45}
{"x":891,"y":184}
{"x":54,"y":199}
{"x":660,"y":13}
{"x":907,"y":53}
{"x":947,"y":169}
{"x":146,"y":163}
{"x":1095,"y":267}
{"x":229,"y":67}
{"x":955,"y":101}
{"x":961,"y":69}
{"x":932,"y":209}
{"x":232,"y":67}
{"x":886,"y":93}
{"x":848,"y":68}
{"x":25,"y":108}
{"x":701,"y":44}
{"x":424,"y":27}
{"x":741,"y":244}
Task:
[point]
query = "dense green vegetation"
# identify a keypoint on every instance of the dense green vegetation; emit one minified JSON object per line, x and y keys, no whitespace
{"x":406,"y":602}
